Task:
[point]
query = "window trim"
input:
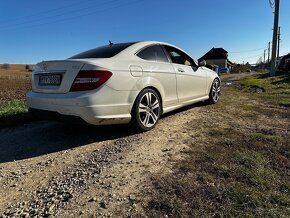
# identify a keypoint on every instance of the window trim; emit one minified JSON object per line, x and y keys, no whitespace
{"x":195,"y":65}
{"x":127,"y":45}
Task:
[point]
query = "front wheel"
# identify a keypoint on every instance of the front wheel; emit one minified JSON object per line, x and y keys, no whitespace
{"x":215,"y":91}
{"x":146,"y":110}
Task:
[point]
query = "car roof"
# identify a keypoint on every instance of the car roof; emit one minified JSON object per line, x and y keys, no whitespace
{"x":134,"y":48}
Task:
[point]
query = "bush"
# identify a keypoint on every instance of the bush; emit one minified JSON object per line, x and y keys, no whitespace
{"x":5,"y":66}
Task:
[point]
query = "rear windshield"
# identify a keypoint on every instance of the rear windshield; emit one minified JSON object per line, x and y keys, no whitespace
{"x":105,"y":51}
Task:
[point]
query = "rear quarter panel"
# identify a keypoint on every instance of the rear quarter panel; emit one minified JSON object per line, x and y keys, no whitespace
{"x":161,"y":76}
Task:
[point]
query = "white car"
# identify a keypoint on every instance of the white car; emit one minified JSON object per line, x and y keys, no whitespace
{"x":121,"y":83}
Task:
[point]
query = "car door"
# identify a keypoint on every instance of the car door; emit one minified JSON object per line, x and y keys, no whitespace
{"x":191,"y":79}
{"x":156,"y":66}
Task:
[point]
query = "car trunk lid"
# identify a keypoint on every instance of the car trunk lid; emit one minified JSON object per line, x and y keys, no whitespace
{"x":55,"y":76}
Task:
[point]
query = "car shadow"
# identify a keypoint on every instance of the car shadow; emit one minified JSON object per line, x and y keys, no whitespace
{"x":45,"y":137}
{"x":186,"y":108}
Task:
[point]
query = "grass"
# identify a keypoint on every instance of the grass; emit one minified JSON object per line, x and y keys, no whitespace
{"x":237,"y":177}
{"x":232,"y":168}
{"x":276,"y":89}
{"x":13,"y":113}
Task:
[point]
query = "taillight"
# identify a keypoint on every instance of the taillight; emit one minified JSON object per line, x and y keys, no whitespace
{"x":90,"y":79}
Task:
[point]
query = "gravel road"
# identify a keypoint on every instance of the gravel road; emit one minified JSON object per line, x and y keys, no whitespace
{"x":53,"y":169}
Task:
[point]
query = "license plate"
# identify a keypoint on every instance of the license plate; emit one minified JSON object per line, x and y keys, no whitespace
{"x":50,"y":80}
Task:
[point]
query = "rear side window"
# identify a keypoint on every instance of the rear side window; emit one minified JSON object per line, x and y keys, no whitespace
{"x":153,"y":53}
{"x":106,"y":51}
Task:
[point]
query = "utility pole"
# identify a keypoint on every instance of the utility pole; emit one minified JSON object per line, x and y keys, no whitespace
{"x":269,"y":52}
{"x":265,"y":55}
{"x":279,"y":39}
{"x":274,"y":41}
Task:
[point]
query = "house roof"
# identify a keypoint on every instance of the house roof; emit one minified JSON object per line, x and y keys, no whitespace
{"x":215,"y":53}
{"x":286,"y":56}
{"x":230,"y":63}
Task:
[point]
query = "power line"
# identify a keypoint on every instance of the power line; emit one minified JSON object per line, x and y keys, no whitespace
{"x":259,"y":55}
{"x":44,"y":12}
{"x":43,"y":18}
{"x":250,"y":57}
{"x":245,"y":51}
{"x":73,"y":17}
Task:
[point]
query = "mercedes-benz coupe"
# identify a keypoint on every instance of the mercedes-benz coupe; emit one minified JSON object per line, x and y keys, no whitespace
{"x":121,"y":83}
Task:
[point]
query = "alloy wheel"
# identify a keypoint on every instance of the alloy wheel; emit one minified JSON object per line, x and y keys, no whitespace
{"x":216,"y":89}
{"x":149,"y":109}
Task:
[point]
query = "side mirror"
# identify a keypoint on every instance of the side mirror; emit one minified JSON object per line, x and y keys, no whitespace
{"x":202,"y":63}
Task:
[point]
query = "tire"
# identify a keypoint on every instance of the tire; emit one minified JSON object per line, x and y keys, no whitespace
{"x":215,"y":91}
{"x":146,"y":110}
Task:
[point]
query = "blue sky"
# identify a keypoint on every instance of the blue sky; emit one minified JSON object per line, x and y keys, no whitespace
{"x":34,"y":30}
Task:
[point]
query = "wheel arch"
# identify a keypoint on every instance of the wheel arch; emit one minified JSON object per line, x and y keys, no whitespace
{"x":211,"y":82}
{"x":153,"y":88}
{"x":218,"y":79}
{"x":213,"y":98}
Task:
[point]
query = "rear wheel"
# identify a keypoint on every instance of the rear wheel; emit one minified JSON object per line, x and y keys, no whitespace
{"x":215,"y":91}
{"x":146,"y":110}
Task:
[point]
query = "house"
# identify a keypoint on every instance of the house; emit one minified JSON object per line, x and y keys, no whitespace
{"x":217,"y":56}
{"x":283,"y":63}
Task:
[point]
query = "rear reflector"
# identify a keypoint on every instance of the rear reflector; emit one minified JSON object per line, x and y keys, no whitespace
{"x":89,"y":80}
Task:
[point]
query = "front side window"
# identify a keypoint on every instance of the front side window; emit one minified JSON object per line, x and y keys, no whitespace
{"x":153,"y":53}
{"x":178,"y":57}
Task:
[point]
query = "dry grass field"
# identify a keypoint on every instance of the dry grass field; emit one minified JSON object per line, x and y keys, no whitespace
{"x":15,"y":70}
{"x":15,"y":82}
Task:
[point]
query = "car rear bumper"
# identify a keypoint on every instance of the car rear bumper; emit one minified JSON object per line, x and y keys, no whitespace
{"x":55,"y":116}
{"x":98,"y":107}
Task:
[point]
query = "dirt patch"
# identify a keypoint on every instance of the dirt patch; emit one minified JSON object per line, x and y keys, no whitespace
{"x":66,"y":155}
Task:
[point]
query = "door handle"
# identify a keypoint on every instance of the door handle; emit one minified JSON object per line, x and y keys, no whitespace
{"x":180,"y":70}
